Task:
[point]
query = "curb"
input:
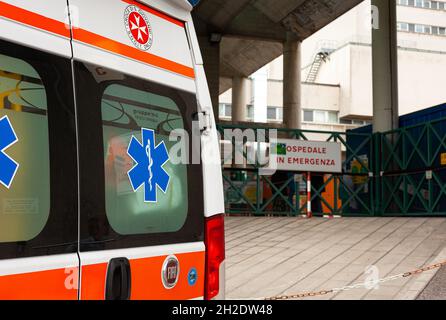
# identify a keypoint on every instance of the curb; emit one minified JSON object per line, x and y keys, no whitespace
{"x":417,"y":285}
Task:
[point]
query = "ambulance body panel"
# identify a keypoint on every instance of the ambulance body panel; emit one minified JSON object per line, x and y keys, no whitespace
{"x":98,"y":41}
{"x":213,"y":192}
{"x":145,"y":267}
{"x":157,"y":250}
{"x":40,"y":24}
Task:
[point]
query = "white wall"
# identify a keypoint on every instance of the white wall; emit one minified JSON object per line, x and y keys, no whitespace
{"x":320,"y":97}
{"x":260,"y":95}
{"x":422,"y":80}
{"x":314,"y":96}
{"x":226,"y":97}
{"x":275,"y":69}
{"x":360,"y":102}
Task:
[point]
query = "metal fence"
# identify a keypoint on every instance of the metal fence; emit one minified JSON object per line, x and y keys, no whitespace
{"x":396,"y":173}
{"x":413,"y":170}
{"x":249,"y":191}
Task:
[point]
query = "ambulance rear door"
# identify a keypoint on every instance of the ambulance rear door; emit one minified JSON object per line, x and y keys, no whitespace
{"x":38,"y":180}
{"x":141,"y":202}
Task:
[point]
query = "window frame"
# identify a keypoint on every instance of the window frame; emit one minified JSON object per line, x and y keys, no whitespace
{"x":269,"y":112}
{"x":60,"y":233}
{"x":326,"y":114}
{"x":424,"y":4}
{"x":403,"y":26}
{"x":92,"y":171}
{"x":225,"y":110}
{"x":250,"y":112}
{"x":308,"y":113}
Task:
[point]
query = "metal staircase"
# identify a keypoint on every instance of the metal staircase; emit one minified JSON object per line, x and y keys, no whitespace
{"x":324,"y":50}
{"x":320,"y":57}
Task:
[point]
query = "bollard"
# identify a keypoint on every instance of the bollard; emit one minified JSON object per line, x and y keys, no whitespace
{"x":309,"y":212}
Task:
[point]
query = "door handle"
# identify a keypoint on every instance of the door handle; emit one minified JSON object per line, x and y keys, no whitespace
{"x":118,"y":282}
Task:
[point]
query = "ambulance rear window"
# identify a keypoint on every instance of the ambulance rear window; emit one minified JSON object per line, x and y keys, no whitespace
{"x":137,"y":186}
{"x":24,"y":164}
{"x":154,"y":199}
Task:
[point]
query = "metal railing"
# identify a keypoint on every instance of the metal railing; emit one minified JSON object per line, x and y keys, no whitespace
{"x":249,"y":191}
{"x":397,"y":173}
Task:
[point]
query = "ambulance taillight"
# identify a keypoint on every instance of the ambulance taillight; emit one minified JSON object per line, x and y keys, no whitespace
{"x":215,"y":254}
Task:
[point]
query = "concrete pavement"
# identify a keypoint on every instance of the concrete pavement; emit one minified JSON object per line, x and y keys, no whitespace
{"x":436,"y":289}
{"x":282,"y":255}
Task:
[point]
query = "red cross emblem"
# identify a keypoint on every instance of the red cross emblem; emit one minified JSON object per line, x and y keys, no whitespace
{"x":138,"y":27}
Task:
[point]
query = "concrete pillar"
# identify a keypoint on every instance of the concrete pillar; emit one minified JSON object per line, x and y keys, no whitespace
{"x":292,"y":83}
{"x":240,"y":98}
{"x":385,"y":66}
{"x":211,"y":60}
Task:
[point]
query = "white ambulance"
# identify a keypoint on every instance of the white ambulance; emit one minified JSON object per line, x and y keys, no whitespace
{"x":91,"y":204}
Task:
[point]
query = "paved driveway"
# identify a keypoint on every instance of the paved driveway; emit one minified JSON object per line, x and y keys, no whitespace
{"x":272,"y":256}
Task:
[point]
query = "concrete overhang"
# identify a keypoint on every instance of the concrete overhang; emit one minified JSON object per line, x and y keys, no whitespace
{"x":253,"y":31}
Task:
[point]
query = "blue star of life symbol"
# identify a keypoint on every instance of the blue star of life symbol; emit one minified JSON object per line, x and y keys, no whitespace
{"x":8,"y":167}
{"x":148,"y":171}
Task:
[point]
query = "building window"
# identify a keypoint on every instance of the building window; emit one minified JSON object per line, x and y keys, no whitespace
{"x":308,"y":116}
{"x":250,"y":112}
{"x":332,"y":117}
{"x":402,"y":26}
{"x":355,"y":122}
{"x":419,"y":3}
{"x":425,"y":4}
{"x":271,"y":113}
{"x":421,"y":28}
{"x":321,"y":116}
{"x":225,"y":110}
{"x":275,"y":114}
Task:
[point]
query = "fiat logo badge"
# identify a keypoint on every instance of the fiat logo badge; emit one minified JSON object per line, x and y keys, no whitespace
{"x":170,"y":272}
